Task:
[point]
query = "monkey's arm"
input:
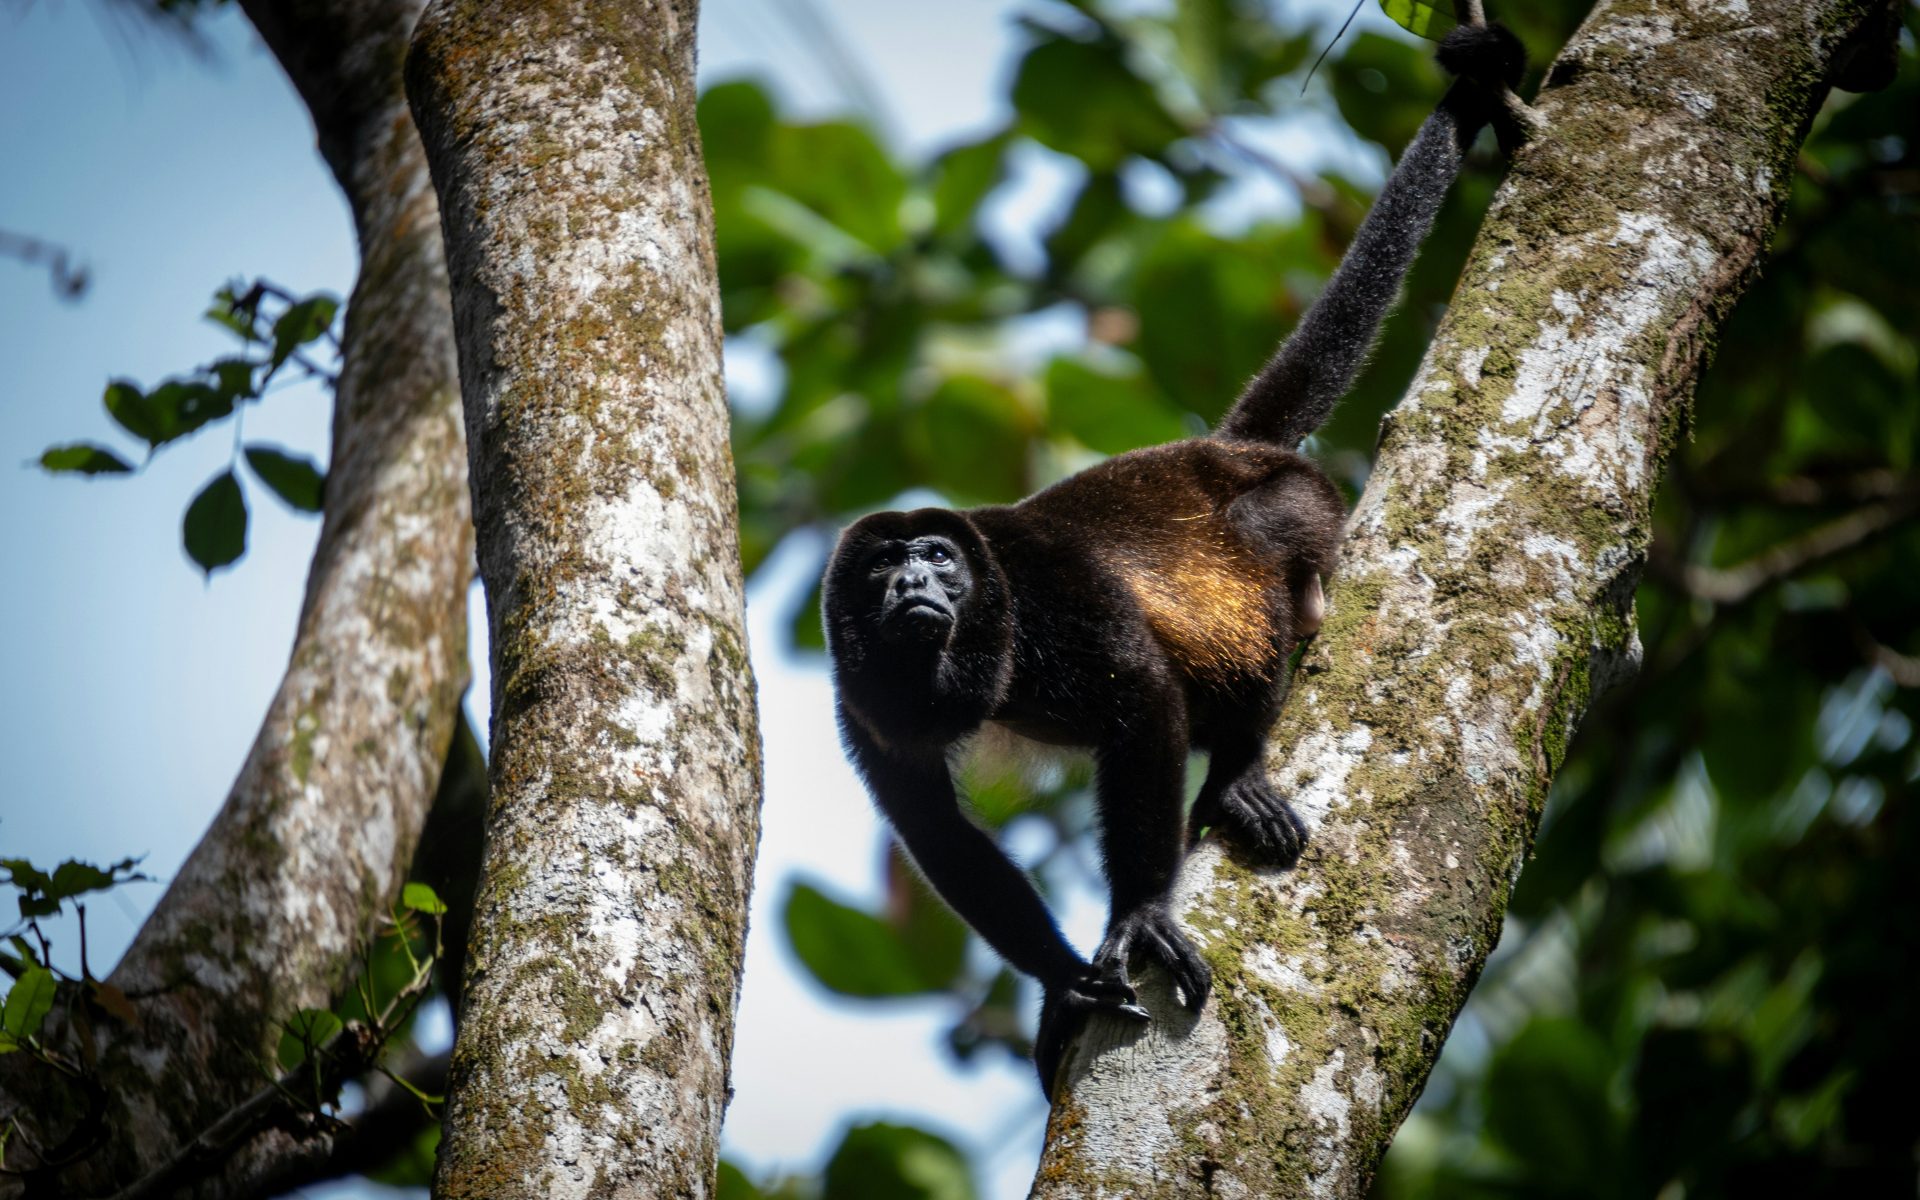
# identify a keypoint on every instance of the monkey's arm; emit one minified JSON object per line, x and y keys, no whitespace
{"x":1297,"y":389}
{"x":964,"y":865}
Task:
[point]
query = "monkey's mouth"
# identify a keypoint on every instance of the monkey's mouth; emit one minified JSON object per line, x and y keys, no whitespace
{"x":919,"y":617}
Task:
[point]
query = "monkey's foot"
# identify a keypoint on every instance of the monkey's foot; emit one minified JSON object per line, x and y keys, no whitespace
{"x":1063,"y":1010}
{"x":1151,"y":929}
{"x":1259,"y":819}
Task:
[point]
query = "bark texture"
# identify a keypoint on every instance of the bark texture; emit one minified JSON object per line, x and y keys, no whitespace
{"x":267,"y":915}
{"x":1484,"y":596}
{"x":598,"y":1016}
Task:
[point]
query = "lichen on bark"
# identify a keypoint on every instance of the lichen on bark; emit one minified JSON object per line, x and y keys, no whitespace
{"x":598,"y":1016}
{"x":1485,"y":593}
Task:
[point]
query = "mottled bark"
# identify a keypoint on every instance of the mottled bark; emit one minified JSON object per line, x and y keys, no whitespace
{"x":598,"y":1014}
{"x":1484,"y":596}
{"x":267,"y":914}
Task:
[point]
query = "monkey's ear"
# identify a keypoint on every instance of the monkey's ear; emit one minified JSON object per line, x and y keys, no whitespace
{"x":1487,"y":54}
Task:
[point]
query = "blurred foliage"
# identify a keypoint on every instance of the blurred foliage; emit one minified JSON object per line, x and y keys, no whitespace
{"x":1703,"y":985}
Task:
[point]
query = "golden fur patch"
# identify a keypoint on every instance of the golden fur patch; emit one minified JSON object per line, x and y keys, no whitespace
{"x":1207,"y":608}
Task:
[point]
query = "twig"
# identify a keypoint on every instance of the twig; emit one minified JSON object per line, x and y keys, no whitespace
{"x":1903,"y":669}
{"x":1738,"y":584}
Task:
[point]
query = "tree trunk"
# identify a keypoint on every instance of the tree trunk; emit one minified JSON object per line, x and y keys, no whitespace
{"x":1484,"y":596}
{"x":269,"y":912}
{"x":598,"y":1014}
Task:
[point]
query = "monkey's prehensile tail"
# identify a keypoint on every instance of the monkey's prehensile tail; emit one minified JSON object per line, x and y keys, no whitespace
{"x":1315,"y":366}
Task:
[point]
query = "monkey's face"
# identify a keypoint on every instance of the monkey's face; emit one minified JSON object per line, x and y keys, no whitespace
{"x":920,"y":585}
{"x":901,"y":580}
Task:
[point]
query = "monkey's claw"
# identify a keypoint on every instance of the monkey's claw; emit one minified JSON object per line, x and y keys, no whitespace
{"x":1261,"y":820}
{"x":1063,"y":1010}
{"x":1150,"y":928}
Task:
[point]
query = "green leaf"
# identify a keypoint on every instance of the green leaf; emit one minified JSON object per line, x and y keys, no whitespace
{"x":128,"y":407}
{"x":970,"y":439}
{"x":296,"y":480}
{"x":962,"y":179}
{"x":301,"y":323}
{"x":306,"y":1032}
{"x":234,"y":376}
{"x":422,"y":898}
{"x":1109,"y":413}
{"x":1081,"y":98}
{"x":215,"y":528}
{"x":1419,"y":17}
{"x":850,"y":951}
{"x":839,"y":172}
{"x":27,"y":1003}
{"x":897,"y":1162}
{"x":74,"y":878}
{"x":83,"y":458}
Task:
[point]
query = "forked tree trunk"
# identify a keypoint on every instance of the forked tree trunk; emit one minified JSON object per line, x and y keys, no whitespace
{"x":1484,"y":596}
{"x":598,"y":1015}
{"x":271,"y":909}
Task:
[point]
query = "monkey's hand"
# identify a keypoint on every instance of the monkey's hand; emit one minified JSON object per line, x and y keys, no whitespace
{"x":1064,"y":1009}
{"x":1151,"y":929}
{"x":1256,"y":816}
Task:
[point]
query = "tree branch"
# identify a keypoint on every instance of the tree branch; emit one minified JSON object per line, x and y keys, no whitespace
{"x":1738,"y":584}
{"x":1484,"y":597}
{"x":597,"y":1022}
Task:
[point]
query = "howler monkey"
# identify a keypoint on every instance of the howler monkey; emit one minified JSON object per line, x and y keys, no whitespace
{"x":1141,"y":607}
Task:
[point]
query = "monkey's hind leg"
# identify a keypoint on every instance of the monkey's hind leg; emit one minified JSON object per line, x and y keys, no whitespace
{"x":1237,"y":797}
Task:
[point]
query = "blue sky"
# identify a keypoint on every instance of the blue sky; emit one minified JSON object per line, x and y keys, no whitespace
{"x":134,"y":687}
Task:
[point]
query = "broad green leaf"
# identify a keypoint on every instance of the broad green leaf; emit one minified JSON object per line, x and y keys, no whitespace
{"x":294,"y":479}
{"x":1109,"y":413}
{"x":83,"y":458}
{"x":75,"y":878}
{"x":234,"y":376}
{"x":306,"y":1032}
{"x":970,"y":439}
{"x":215,"y":527}
{"x":849,"y":951}
{"x":27,"y":1003}
{"x":301,"y":323}
{"x":1420,"y":17}
{"x":421,"y":897}
{"x":127,"y":405}
{"x":1082,"y":99}
{"x":962,"y":178}
{"x":837,"y":170}
{"x":897,"y":1162}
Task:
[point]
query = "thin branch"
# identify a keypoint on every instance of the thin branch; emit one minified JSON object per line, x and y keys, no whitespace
{"x":1903,"y":669}
{"x":1738,"y":584}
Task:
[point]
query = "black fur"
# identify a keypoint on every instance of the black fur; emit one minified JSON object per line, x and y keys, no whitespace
{"x":1142,"y":607}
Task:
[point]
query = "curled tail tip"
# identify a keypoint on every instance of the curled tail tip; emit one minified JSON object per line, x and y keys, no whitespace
{"x":1487,"y":53}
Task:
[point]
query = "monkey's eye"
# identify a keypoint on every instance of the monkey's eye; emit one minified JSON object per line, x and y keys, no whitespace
{"x":939,"y":555}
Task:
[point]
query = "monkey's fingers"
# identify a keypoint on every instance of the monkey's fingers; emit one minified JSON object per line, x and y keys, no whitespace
{"x":1190,"y":972}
